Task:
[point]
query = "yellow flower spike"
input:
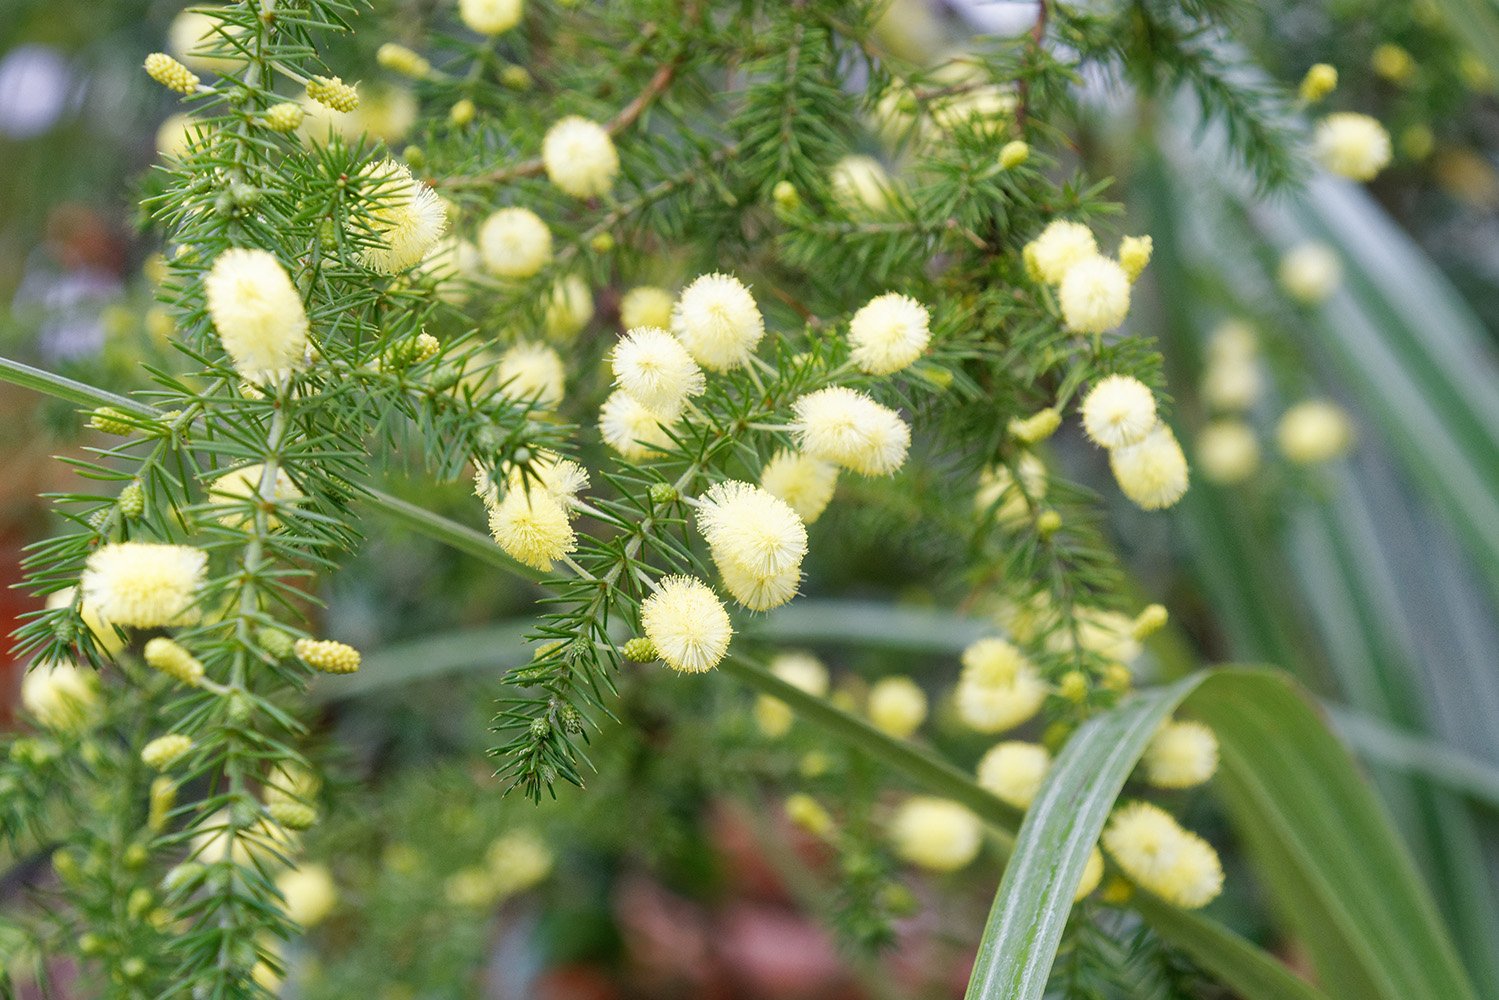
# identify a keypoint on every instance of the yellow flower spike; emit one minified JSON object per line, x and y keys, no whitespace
{"x":1073,"y":686}
{"x":1320,"y":80}
{"x":163,"y":797}
{"x":171,"y":74}
{"x":171,"y":659}
{"x":1037,"y":427}
{"x":462,"y":112}
{"x":400,"y":59}
{"x":332,"y":92}
{"x":1134,"y":255}
{"x":1013,"y":154}
{"x":807,"y":813}
{"x":164,"y":751}
{"x":327,"y":655}
{"x":1393,"y":63}
{"x":284,"y":117}
{"x":1150,"y":620}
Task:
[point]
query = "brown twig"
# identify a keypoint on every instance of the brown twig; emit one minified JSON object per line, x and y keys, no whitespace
{"x":627,"y":116}
{"x":1033,"y":48}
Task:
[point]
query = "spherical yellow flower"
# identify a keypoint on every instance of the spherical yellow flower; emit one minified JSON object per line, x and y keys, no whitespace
{"x":1118,"y":410}
{"x":1092,"y":874}
{"x":1061,"y":244}
{"x":104,"y":635}
{"x":490,"y":17}
{"x":406,"y":217}
{"x":848,"y":428}
{"x":1232,"y":384}
{"x":1158,"y":855}
{"x":580,"y":157}
{"x":193,"y":33}
{"x":802,"y":671}
{"x":897,"y":705}
{"x":284,"y":117}
{"x":1094,"y":295}
{"x":258,"y":313}
{"x":1152,"y":472}
{"x":514,"y":243}
{"x":532,"y":371}
{"x":1134,"y":254}
{"x":759,"y":590}
{"x":807,"y":484}
{"x":645,"y":305}
{"x":237,"y":490}
{"x":1352,"y":145}
{"x":517,"y":861}
{"x":532,"y":527}
{"x":61,"y":696}
{"x":687,"y":623}
{"x":999,"y":687}
{"x":1314,"y":431}
{"x":1310,"y":272}
{"x":1012,"y":154}
{"x":1014,"y":770}
{"x":1181,"y":755}
{"x":569,"y":307}
{"x":999,"y":495}
{"x":746,"y":525}
{"x":177,"y":136}
{"x":142,"y":584}
{"x":888,"y":333}
{"x":937,"y":834}
{"x":561,"y":478}
{"x":652,"y":366}
{"x":1110,"y":634}
{"x":308,"y":893}
{"x":859,"y":183}
{"x":1228,"y":452}
{"x":717,"y":320}
{"x":449,"y":265}
{"x":631,"y":429}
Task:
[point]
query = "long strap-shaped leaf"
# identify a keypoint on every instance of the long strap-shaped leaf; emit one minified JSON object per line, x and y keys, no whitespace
{"x":1060,"y":828}
{"x":1329,"y":855}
